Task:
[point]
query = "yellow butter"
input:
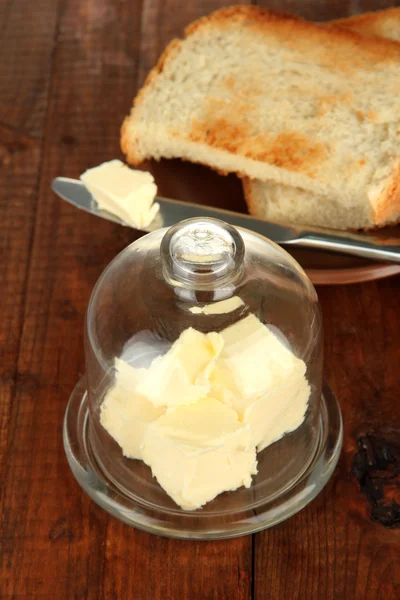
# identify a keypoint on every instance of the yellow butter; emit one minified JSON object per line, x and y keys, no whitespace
{"x":259,"y":377}
{"x":218,"y":308}
{"x":198,"y":414}
{"x":124,"y":413}
{"x":288,"y":420}
{"x":181,"y":376}
{"x":279,"y":411}
{"x":127,"y":193}
{"x":253,"y":361}
{"x":199,"y":451}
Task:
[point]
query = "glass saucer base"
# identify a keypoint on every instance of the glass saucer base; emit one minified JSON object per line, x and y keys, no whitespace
{"x":193,"y":525}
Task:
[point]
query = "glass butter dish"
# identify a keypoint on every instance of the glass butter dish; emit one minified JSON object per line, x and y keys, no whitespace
{"x":203,"y":413}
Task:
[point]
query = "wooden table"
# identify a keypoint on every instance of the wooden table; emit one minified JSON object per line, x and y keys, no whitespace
{"x":69,"y":70}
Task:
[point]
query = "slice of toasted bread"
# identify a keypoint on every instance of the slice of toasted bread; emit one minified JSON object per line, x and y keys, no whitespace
{"x":286,"y":204}
{"x":277,"y":98}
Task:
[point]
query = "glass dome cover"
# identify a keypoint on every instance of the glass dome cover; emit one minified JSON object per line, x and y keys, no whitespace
{"x":206,"y":276}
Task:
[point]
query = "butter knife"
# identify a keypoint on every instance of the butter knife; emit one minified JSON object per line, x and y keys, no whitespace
{"x":381,"y":245}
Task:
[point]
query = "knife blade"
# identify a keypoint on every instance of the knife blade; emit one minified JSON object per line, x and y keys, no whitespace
{"x":376,"y":245}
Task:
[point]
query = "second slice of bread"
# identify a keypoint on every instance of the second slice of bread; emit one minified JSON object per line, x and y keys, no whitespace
{"x":382,"y":23}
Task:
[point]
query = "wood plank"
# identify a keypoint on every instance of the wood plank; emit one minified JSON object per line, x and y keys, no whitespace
{"x":24,"y":75}
{"x":49,"y":529}
{"x":23,"y":99}
{"x":25,"y":68}
{"x":57,"y":542}
{"x":332,"y":549}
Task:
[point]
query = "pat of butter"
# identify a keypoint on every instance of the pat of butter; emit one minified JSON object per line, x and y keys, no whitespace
{"x":124,"y":413}
{"x":253,"y":361}
{"x":279,"y":411}
{"x":259,"y":377}
{"x":290,"y":419}
{"x":127,"y":193}
{"x":218,"y":308}
{"x":199,"y":451}
{"x":181,"y":376}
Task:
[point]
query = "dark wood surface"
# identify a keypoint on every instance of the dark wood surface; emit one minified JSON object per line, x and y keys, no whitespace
{"x":68,"y":72}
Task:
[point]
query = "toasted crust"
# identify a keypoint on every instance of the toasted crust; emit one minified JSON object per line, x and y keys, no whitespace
{"x":248,"y":194}
{"x":387,"y":208}
{"x":363,"y":20}
{"x":129,"y":147}
{"x":343,"y":28}
{"x":379,"y":23}
{"x":291,"y":150}
{"x":239,"y":13}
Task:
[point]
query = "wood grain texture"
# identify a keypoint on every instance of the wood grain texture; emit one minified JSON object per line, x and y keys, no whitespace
{"x":49,"y":529}
{"x":67,"y":83}
{"x":23,"y":98}
{"x":332,"y":549}
{"x":24,"y":81}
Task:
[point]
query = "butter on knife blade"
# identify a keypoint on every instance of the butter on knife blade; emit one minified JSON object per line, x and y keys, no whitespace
{"x":127,"y":193}
{"x":374,"y":245}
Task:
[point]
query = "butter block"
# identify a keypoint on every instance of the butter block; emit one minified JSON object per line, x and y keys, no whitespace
{"x":262,"y":380}
{"x":288,"y":420}
{"x":124,"y":413}
{"x":199,"y":451}
{"x":127,"y":193}
{"x":181,"y":376}
{"x":279,"y":411}
{"x":200,"y":412}
{"x":252,"y":362}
